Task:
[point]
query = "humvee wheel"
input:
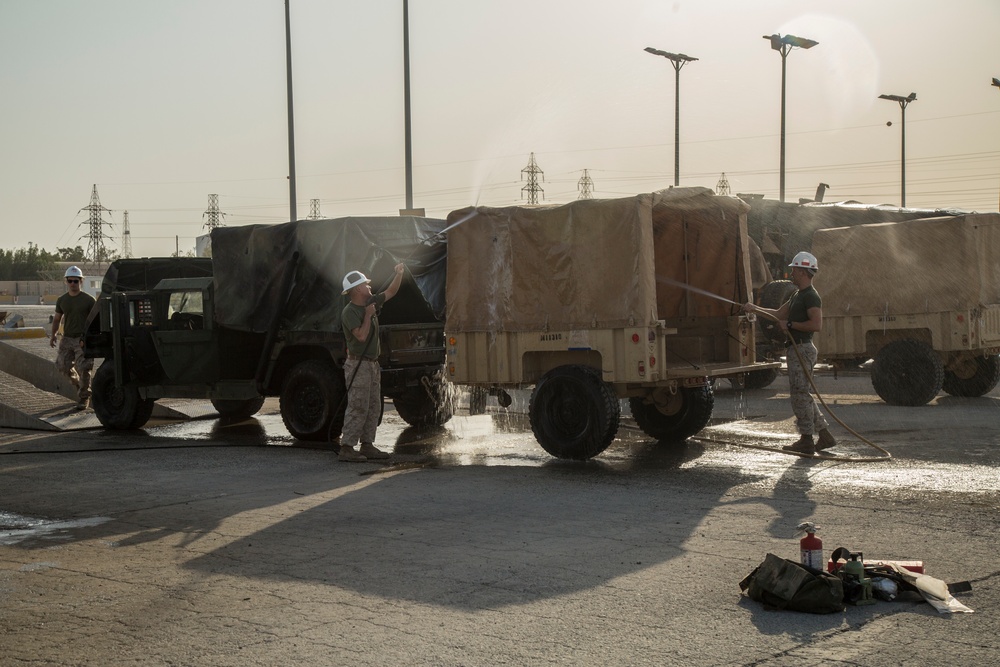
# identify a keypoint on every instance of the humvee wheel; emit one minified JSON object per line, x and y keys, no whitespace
{"x":433,"y":405}
{"x":477,"y":400}
{"x":976,"y":376}
{"x":313,"y":401}
{"x":119,"y":408}
{"x":236,"y":408}
{"x":573,"y":413}
{"x":907,"y":372}
{"x":760,"y":379}
{"x":674,"y":417}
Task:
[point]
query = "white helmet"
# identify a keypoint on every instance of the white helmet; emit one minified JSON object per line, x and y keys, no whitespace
{"x":73,"y":272}
{"x":805,"y":260}
{"x":353,"y":279}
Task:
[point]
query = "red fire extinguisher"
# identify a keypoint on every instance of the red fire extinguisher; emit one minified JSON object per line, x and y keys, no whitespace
{"x":810,"y":546}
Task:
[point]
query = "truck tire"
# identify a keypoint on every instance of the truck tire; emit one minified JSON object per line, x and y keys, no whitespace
{"x":984,"y":379}
{"x":120,"y":408}
{"x":477,"y":400}
{"x":236,"y":408}
{"x":688,"y":412}
{"x":907,"y":372}
{"x":313,"y":401}
{"x":573,"y":413}
{"x":760,"y":379}
{"x":418,"y":407}
{"x":773,"y":295}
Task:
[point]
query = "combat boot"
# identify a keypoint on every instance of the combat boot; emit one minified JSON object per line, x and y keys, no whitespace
{"x":348,"y":454}
{"x":826,"y":440}
{"x":372,"y":452}
{"x":803,"y":445}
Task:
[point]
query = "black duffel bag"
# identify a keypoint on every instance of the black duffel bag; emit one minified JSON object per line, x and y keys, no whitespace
{"x":781,"y":583}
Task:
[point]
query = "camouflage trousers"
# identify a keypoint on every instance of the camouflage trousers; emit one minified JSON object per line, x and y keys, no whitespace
{"x":364,"y":401}
{"x":71,"y":363}
{"x":808,"y":418}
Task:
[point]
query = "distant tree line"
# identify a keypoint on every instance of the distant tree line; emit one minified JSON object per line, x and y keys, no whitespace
{"x":27,"y":263}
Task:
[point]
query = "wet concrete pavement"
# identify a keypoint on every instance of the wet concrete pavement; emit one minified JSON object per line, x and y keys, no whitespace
{"x":205,"y":543}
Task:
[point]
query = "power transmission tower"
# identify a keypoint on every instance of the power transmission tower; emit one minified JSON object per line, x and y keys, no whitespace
{"x":126,"y":237}
{"x":95,"y":235}
{"x":314,"y":213}
{"x":215,"y":216}
{"x":532,"y":188}
{"x":722,"y":187}
{"x":585,"y":186}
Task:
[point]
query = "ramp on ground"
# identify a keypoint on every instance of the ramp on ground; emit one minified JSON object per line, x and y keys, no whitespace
{"x":33,"y":395}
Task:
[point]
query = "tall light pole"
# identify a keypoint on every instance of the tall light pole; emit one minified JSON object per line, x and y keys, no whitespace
{"x":783,"y":45}
{"x":292,"y":215}
{"x":678,"y":60}
{"x":903,"y":101}
{"x":408,"y":149}
{"x":996,"y":82}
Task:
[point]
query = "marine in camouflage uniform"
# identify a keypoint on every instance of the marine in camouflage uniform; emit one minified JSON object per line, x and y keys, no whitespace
{"x":800,"y":317}
{"x":362,"y":373}
{"x":72,"y":309}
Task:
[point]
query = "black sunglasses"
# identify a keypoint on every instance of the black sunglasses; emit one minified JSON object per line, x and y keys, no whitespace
{"x":72,"y":280}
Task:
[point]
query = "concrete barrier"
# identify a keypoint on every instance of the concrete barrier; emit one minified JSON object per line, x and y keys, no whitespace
{"x":23,"y":332}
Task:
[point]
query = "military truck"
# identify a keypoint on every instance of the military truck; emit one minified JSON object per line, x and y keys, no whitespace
{"x":262,"y":318}
{"x":921,"y":298}
{"x":600,"y":300}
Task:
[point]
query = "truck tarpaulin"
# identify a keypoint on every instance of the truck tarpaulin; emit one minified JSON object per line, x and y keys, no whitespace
{"x":596,"y":263}
{"x":918,"y":266}
{"x":250,"y":265}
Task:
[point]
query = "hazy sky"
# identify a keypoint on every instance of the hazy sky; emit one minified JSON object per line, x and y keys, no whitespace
{"x":161,"y":103}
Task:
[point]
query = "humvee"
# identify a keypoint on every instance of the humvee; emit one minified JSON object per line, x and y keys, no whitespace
{"x":599,"y":300}
{"x":262,"y":318}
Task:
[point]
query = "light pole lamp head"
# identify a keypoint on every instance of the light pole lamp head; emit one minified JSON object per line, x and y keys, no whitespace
{"x":676,"y":58}
{"x":996,"y":82}
{"x":778,"y":43}
{"x":903,"y":101}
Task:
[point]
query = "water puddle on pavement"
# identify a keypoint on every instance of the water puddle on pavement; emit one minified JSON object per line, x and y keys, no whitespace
{"x":15,"y":528}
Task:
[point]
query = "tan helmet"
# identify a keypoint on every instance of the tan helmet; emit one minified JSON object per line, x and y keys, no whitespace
{"x":73,"y":272}
{"x":805,"y":260}
{"x":353,"y":279}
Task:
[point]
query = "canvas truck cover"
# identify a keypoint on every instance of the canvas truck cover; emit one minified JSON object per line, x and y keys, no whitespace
{"x":600,"y":263}
{"x":251,"y":268}
{"x":126,"y":275}
{"x":927,"y":265}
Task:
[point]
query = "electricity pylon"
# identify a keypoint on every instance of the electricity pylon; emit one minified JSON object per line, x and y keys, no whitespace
{"x":215,"y":216}
{"x":722,"y":187}
{"x":96,"y":252}
{"x":532,"y":188}
{"x":126,"y":237}
{"x":314,"y":213}
{"x":585,"y":186}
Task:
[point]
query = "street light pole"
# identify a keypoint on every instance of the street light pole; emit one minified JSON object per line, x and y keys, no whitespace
{"x":292,"y":216}
{"x":678,"y":60}
{"x":408,"y":149}
{"x":783,"y":45}
{"x":903,"y":101}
